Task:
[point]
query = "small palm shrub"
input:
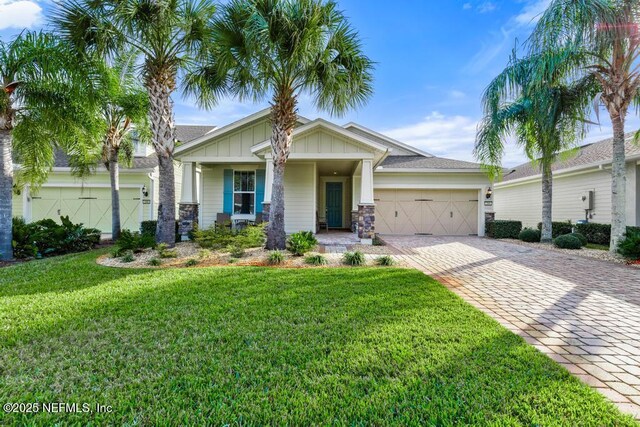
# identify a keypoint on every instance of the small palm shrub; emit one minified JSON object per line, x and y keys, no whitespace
{"x":529,"y":235}
{"x":155,"y":262}
{"x":128,"y":256}
{"x":353,"y":258}
{"x":385,"y":261}
{"x":134,"y":241}
{"x":581,"y":237}
{"x":275,"y":258}
{"x":629,"y":247}
{"x":236,"y":251}
{"x":192,"y":262}
{"x":315,"y":260}
{"x":301,"y":242}
{"x":567,"y":241}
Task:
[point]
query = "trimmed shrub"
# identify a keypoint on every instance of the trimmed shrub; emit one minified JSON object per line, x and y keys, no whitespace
{"x":315,"y":260}
{"x":583,"y":240}
{"x":629,"y":247}
{"x":46,"y":237}
{"x":600,"y":234}
{"x":134,"y":241}
{"x":165,"y":252}
{"x":529,"y":235}
{"x":385,"y":261}
{"x":127,"y":256}
{"x":301,"y":242}
{"x":567,"y":241}
{"x":236,"y":251}
{"x":275,"y":258}
{"x":192,"y":262}
{"x":155,"y":262}
{"x":558,"y":228}
{"x":222,"y":237}
{"x":353,"y":258}
{"x":503,"y":229}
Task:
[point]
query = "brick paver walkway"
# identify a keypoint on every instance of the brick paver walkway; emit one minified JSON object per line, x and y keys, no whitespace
{"x":583,"y":313}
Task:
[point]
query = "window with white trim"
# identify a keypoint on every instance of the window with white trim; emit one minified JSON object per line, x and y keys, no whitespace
{"x":244,"y":192}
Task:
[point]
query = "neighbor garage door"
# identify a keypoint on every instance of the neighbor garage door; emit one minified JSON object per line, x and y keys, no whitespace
{"x":436,"y":212}
{"x":90,"y":206}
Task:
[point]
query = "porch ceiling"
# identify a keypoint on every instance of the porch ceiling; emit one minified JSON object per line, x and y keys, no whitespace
{"x":336,"y":167}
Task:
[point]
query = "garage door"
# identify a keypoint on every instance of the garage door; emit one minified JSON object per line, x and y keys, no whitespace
{"x":436,"y":212}
{"x":89,"y":206}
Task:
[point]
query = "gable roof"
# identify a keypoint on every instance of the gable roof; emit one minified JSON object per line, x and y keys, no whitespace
{"x":586,"y":156}
{"x":186,"y":133}
{"x":229,"y":128}
{"x":321,"y":123}
{"x":421,"y":162}
{"x":383,"y":139}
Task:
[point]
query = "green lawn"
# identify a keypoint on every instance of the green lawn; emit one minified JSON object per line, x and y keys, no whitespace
{"x":270,"y":346}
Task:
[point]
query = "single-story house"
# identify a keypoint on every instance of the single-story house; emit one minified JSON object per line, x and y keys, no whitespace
{"x":581,"y":187}
{"x":88,"y":200}
{"x":350,"y":177}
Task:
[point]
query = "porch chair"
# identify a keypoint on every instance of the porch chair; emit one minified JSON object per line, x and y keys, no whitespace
{"x":321,"y":223}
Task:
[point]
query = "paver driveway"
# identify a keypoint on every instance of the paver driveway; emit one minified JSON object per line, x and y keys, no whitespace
{"x":583,"y":313}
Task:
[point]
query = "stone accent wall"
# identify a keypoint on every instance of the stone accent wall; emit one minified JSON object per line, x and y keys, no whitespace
{"x":366,"y":221}
{"x":266,"y":209}
{"x":188,"y":217}
{"x":354,"y":221}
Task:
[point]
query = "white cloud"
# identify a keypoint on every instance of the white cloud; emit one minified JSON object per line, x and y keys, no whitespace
{"x":19,"y":14}
{"x":486,"y":6}
{"x":467,"y":6}
{"x":448,"y":136}
{"x":532,"y":12}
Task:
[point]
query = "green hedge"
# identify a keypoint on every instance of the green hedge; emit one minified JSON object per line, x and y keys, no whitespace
{"x":504,"y":229}
{"x":599,"y":234}
{"x":559,"y":228}
{"x":148,"y":228}
{"x":567,"y":241}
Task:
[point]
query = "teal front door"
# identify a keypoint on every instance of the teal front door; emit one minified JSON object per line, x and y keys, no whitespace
{"x":334,"y":204}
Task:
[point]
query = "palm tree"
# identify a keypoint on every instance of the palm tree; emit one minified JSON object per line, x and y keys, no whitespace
{"x":124,"y":107}
{"x":605,"y":40}
{"x":44,"y":105}
{"x":171,"y":36}
{"x":546,"y":119}
{"x":283,"y":48}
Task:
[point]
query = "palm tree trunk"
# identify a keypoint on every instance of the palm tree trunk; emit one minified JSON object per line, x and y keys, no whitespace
{"x":283,"y":120}
{"x":6,"y":195}
{"x":114,"y":175}
{"x":618,"y":185}
{"x":547,"y":200}
{"x":163,"y":137}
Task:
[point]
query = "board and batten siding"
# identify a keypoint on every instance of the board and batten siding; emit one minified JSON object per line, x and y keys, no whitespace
{"x":237,"y":143}
{"x":324,"y":142}
{"x":299,"y":181}
{"x":523,"y":201}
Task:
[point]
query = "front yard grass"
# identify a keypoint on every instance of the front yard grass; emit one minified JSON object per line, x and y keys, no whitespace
{"x":351,"y":346}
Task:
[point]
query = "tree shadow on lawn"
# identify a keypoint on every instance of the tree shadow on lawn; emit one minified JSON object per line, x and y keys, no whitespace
{"x":270,"y":346}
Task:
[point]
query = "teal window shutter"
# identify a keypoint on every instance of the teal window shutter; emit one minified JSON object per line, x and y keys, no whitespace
{"x":227,"y":205}
{"x":259,"y":189}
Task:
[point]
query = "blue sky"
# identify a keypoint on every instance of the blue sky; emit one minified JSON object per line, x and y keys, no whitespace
{"x":434,"y":58}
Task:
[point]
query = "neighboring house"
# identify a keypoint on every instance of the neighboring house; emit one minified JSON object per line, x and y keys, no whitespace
{"x":347,"y":176}
{"x":88,"y":200}
{"x":581,"y":187}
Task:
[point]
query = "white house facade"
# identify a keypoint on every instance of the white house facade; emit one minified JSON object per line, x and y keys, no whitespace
{"x":347,"y":177}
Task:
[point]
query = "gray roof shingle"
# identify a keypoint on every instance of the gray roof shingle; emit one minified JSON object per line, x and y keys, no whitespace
{"x":186,"y":133}
{"x":585,"y":155}
{"x":422,"y":162}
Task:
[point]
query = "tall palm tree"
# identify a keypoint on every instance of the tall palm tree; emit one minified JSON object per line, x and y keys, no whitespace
{"x":546,"y":119}
{"x":282,"y":48}
{"x":605,"y":39}
{"x":124,"y":107}
{"x":171,"y":36}
{"x":44,"y":105}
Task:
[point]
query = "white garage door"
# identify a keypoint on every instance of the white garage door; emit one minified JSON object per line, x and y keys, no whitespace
{"x":435,"y":212}
{"x":89,"y":205}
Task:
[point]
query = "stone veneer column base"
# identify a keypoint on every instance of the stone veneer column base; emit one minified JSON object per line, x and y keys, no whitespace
{"x":354,"y":221}
{"x":188,"y":218}
{"x":366,"y":223}
{"x":266,"y":209}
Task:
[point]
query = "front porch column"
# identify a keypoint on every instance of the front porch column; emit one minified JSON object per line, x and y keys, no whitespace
{"x":366,"y":207}
{"x":188,"y":207}
{"x":268,"y":186}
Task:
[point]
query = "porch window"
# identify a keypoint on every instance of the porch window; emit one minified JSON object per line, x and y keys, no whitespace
{"x":244,"y":192}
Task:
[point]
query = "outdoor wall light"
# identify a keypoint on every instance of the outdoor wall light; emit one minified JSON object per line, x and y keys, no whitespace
{"x":145,"y":192}
{"x":489,"y":193}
